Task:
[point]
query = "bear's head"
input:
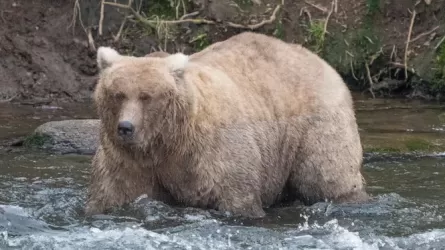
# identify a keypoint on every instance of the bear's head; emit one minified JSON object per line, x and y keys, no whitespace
{"x":140,"y":99}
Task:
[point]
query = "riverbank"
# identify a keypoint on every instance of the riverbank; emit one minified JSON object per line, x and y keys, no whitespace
{"x":381,"y":48}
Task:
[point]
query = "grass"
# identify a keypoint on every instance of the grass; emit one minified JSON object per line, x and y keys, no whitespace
{"x":316,"y":35}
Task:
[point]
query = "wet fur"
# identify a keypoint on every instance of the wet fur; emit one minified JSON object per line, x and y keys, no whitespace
{"x":242,"y":125}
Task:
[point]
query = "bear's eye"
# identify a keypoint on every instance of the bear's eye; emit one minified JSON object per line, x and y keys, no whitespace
{"x":144,"y":97}
{"x":119,"y":96}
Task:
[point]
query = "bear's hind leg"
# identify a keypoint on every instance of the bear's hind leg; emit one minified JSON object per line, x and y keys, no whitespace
{"x":238,"y":173}
{"x":246,"y":204}
{"x":328,"y":163}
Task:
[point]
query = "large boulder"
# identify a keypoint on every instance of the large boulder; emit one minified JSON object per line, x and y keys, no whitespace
{"x":67,"y":137}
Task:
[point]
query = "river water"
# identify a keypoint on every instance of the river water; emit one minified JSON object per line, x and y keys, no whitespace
{"x":42,"y":195}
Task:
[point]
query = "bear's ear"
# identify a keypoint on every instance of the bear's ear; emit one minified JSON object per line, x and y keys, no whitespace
{"x":176,"y":63}
{"x":106,"y":56}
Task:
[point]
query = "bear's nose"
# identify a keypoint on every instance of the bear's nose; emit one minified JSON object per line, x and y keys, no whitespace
{"x":125,"y":128}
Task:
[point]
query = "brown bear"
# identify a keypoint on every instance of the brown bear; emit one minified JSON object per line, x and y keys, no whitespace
{"x":245,"y":124}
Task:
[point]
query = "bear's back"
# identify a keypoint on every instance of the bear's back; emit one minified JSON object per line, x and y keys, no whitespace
{"x":268,"y":72}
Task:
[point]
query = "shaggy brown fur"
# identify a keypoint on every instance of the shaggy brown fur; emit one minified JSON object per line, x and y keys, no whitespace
{"x":161,"y":54}
{"x":237,"y":127}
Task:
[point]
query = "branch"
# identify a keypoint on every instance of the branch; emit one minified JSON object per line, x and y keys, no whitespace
{"x":305,"y":11}
{"x":393,"y":53}
{"x":317,"y":7}
{"x":101,"y":18}
{"x":183,"y":8}
{"x":77,"y":13}
{"x":271,"y":19}
{"x":121,"y":28}
{"x":91,"y":40}
{"x":402,"y":66}
{"x":413,"y":16}
{"x":153,"y":22}
{"x":184,"y":18}
{"x":424,"y":34}
{"x":371,"y":82}
{"x":439,"y":43}
{"x":352,"y":71}
{"x":9,"y":99}
{"x":327,"y":18}
{"x":193,"y":14}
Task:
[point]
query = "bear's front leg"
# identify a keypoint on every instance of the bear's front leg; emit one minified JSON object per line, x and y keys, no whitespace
{"x":114,"y":183}
{"x":102,"y":191}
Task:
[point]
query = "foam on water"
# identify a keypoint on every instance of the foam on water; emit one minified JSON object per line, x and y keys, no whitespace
{"x":210,"y":234}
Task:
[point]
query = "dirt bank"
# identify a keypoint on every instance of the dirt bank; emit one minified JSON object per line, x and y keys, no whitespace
{"x":46,"y":56}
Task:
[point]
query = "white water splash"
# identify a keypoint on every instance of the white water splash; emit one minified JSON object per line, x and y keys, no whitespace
{"x":210,"y":234}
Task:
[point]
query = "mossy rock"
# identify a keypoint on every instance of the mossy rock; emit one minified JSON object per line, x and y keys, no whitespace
{"x":66,"y":137}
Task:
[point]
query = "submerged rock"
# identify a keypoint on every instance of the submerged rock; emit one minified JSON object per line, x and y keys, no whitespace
{"x":66,"y":137}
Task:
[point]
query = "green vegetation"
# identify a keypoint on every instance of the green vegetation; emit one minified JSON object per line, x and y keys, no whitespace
{"x":441,"y":60}
{"x":418,"y":144}
{"x":439,"y":72}
{"x":349,"y":50}
{"x":36,"y":140}
{"x":200,"y":42}
{"x":316,"y":35}
{"x":408,"y":144}
{"x":373,"y":6}
{"x":159,"y":12}
{"x":161,"y":9}
{"x":279,"y":30}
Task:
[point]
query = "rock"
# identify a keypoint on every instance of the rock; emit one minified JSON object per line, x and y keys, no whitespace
{"x":66,"y":137}
{"x":16,"y":221}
